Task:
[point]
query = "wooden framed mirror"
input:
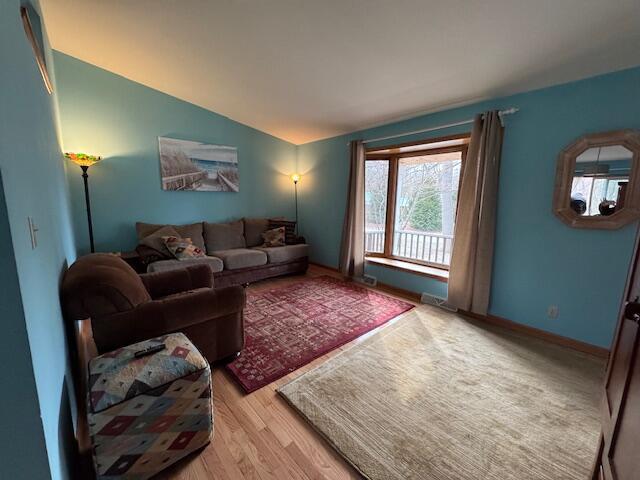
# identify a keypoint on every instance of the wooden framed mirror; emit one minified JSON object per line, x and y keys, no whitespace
{"x":598,"y":180}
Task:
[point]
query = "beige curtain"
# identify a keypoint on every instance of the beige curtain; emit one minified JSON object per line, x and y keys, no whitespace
{"x":352,"y":247}
{"x":472,"y":256}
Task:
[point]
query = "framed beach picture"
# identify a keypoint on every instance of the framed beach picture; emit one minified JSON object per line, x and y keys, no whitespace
{"x":197,"y":166}
{"x":33,"y":29}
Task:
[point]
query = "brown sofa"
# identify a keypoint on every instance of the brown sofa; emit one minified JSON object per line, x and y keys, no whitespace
{"x":234,"y":250}
{"x":125,"y":307}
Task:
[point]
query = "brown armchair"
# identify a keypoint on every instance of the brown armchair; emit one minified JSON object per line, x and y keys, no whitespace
{"x":125,"y":307}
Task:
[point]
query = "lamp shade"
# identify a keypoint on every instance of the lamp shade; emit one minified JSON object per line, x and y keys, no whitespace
{"x":295,"y":177}
{"x":82,"y":159}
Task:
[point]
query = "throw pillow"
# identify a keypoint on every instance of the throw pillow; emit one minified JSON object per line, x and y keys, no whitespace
{"x":289,"y":226}
{"x":155,"y":240}
{"x":182,"y":248}
{"x":150,"y":255}
{"x":192,"y":231}
{"x":274,"y":237}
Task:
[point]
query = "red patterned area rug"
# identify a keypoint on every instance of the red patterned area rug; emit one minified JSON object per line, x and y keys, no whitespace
{"x":289,"y":326}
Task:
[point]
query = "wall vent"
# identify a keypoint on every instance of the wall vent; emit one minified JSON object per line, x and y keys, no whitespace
{"x":369,"y":280}
{"x":436,"y":301}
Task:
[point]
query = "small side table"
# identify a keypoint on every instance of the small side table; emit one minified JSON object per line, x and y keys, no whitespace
{"x":134,"y":260}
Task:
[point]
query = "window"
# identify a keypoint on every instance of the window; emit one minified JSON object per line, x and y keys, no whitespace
{"x":376,"y":177}
{"x":411,"y":194}
{"x":593,"y":190}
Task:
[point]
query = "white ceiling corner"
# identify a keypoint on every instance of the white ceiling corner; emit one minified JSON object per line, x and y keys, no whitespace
{"x":303,"y":70}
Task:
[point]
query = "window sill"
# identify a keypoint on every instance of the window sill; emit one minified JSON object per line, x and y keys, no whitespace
{"x":431,"y":272}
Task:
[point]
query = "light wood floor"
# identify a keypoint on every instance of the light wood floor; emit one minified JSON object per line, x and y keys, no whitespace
{"x":258,"y":436}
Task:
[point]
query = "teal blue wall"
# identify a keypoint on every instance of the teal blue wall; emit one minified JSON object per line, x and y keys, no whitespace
{"x":22,"y":447}
{"x":105,"y":114}
{"x":34,"y":185}
{"x":539,"y":261}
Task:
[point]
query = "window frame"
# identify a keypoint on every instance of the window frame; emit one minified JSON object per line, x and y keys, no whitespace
{"x":392,"y":187}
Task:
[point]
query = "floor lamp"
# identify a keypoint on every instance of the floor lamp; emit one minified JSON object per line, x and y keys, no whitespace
{"x":85,"y":161}
{"x":296,"y":178}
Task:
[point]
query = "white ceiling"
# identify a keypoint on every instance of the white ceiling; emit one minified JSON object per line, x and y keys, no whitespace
{"x":309,"y":69}
{"x":603,"y":154}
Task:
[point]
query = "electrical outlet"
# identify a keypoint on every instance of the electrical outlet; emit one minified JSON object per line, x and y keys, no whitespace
{"x":552,"y":311}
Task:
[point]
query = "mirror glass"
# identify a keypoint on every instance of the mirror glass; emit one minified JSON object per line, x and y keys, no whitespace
{"x":600,"y":180}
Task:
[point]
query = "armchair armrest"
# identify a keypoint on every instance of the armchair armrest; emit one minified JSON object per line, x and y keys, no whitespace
{"x":167,"y":315}
{"x":162,"y":284}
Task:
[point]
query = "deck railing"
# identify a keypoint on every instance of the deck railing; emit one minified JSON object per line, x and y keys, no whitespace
{"x":227,"y":185}
{"x":427,"y":247}
{"x":183,"y":181}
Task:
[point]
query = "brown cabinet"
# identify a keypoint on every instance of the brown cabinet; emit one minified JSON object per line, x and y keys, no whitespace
{"x":619,"y":453}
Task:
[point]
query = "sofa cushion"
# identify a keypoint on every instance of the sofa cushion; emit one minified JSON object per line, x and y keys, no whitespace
{"x":192,"y":231}
{"x":286,"y":253}
{"x":214,"y":263}
{"x":237,"y":258}
{"x":224,"y":236}
{"x":253,"y":230}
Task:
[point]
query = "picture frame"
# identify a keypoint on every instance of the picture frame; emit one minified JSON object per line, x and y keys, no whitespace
{"x":187,"y":165}
{"x":33,"y":28}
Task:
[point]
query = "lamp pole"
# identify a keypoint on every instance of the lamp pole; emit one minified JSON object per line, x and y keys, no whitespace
{"x":85,"y":177}
{"x":295,"y":189}
{"x":84,"y":161}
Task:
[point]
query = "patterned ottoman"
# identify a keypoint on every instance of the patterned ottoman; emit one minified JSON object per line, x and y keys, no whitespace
{"x":148,"y":411}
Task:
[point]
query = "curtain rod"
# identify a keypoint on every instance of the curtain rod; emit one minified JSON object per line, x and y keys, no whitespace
{"x":501,"y":113}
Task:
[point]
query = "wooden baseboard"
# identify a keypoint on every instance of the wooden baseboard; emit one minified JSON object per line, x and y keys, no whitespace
{"x":400,"y":292}
{"x":385,"y":287}
{"x":541,"y":334}
{"x":327,"y":267}
{"x":498,"y":321}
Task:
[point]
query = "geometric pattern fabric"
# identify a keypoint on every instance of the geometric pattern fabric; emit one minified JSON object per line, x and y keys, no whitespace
{"x":147,"y":413}
{"x":289,"y":326}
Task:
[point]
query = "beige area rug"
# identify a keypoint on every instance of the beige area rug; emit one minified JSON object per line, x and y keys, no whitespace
{"x":434,"y":396}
